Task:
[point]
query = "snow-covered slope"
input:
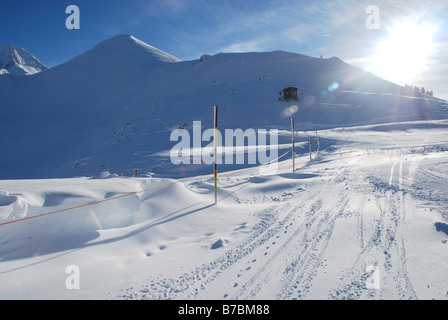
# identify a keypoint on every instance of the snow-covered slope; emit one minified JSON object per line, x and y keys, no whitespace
{"x":18,"y":61}
{"x":119,"y":52}
{"x":115,"y":106}
{"x":365,"y":219}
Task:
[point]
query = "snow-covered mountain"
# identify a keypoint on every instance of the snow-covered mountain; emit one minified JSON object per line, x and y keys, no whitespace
{"x":119,"y":52}
{"x":115,"y":106}
{"x":18,"y":61}
{"x":361,"y":215}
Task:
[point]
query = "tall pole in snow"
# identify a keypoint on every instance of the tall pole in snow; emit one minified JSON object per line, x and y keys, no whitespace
{"x":216,"y":157}
{"x":318,"y":143}
{"x":293,"y":149}
{"x":310,"y":149}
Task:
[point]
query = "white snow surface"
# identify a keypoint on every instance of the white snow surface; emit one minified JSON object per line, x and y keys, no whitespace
{"x":18,"y":61}
{"x":374,"y":197}
{"x":366,"y":219}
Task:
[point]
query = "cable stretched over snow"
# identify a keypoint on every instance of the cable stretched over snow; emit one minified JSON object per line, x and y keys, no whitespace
{"x":136,"y":192}
{"x":104,"y":200}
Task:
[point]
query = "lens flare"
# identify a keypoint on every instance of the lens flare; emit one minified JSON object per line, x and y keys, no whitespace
{"x":288,"y":112}
{"x":95,"y":219}
{"x":333,"y":87}
{"x":404,"y":54}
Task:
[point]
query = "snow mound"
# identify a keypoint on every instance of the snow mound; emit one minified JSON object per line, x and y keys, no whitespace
{"x":12,"y":206}
{"x":218,"y":244}
{"x":366,"y":201}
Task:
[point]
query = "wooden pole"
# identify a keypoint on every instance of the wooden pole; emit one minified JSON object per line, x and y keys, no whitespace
{"x":293,"y":148}
{"x":216,"y":155}
{"x":318,"y":143}
{"x":310,"y":149}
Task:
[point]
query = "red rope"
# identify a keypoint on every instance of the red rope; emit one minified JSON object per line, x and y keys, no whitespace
{"x":104,"y":200}
{"x":133,"y":193}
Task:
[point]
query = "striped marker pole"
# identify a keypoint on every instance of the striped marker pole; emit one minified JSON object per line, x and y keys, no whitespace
{"x":293,"y":148}
{"x":310,"y":149}
{"x":216,"y":147}
{"x":318,"y":143}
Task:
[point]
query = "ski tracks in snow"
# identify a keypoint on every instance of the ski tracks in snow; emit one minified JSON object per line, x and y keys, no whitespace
{"x":279,"y":259}
{"x":290,"y":252}
{"x":236,"y":266}
{"x":384,"y":254}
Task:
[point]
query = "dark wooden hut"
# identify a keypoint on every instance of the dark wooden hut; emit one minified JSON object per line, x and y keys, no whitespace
{"x":290,"y":94}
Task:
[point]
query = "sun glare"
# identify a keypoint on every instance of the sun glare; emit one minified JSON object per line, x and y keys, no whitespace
{"x":403,"y":55}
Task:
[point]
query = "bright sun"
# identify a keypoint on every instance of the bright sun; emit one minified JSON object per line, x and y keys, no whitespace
{"x":403,"y":55}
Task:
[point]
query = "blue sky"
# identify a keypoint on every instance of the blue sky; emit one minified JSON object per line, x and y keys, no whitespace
{"x":189,"y":28}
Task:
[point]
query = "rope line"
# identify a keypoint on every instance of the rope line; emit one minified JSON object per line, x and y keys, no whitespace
{"x":104,"y":200}
{"x":137,"y":192}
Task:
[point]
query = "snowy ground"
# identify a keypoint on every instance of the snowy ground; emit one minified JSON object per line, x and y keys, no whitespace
{"x":367,"y":219}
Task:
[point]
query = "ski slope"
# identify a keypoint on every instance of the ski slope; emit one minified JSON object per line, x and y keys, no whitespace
{"x":115,"y":106}
{"x":365,"y":220}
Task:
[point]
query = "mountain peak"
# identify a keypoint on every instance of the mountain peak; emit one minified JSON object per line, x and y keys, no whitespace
{"x":123,"y":47}
{"x":16,"y":60}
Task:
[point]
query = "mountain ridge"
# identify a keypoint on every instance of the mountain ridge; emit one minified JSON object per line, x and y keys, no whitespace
{"x":115,"y":52}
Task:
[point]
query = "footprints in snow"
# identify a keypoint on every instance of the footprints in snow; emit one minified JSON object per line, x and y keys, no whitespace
{"x":150,"y":253}
{"x":217,"y":244}
{"x":249,"y":274}
{"x":240,"y":274}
